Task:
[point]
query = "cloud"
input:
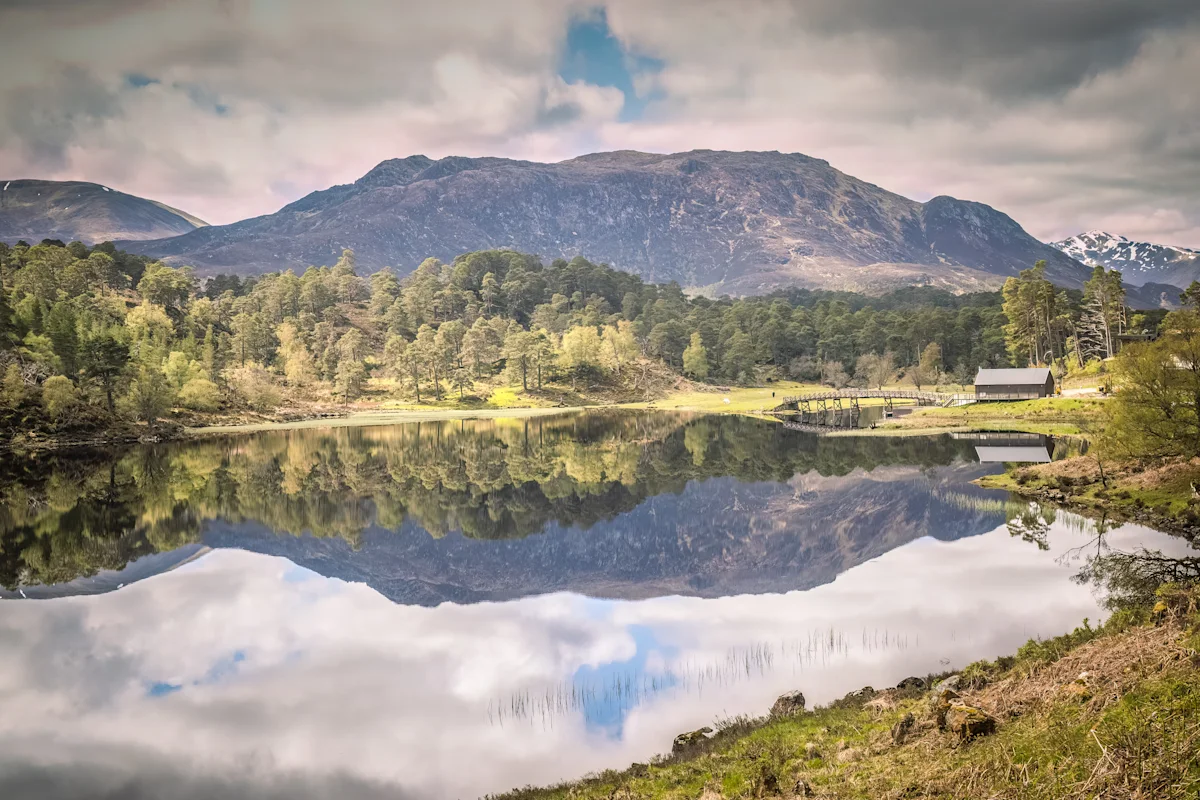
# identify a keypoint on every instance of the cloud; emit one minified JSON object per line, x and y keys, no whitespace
{"x":1068,"y":115}
{"x":1061,"y":114}
{"x":294,"y":685}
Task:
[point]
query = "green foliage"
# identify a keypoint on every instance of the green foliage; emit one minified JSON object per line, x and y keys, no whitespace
{"x":253,"y":384}
{"x":164,"y":286}
{"x":695,"y":358}
{"x":1034,"y":308}
{"x":59,"y":396}
{"x":1191,"y":296}
{"x":581,"y":353}
{"x":12,"y":391}
{"x":200,"y":394}
{"x":486,"y":314}
{"x":104,"y":358}
{"x":1156,"y":411}
{"x":179,"y":368}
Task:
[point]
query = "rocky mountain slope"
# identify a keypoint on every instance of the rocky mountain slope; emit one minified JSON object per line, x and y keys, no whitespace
{"x":1139,"y":262}
{"x":740,"y":223}
{"x":87,"y":212}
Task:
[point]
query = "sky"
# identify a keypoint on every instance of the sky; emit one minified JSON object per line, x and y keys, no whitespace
{"x":1069,"y":115}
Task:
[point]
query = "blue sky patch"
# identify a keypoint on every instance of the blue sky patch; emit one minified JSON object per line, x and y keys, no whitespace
{"x":137,"y":80}
{"x":595,"y":56}
{"x":223,"y":668}
{"x":614,"y":689}
{"x":203,"y":98}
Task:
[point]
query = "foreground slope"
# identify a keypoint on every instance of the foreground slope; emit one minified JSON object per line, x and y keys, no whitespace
{"x":740,"y":223}
{"x":88,"y":212}
{"x":1107,"y":712}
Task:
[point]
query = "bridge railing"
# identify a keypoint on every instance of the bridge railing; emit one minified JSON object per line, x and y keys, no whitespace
{"x":845,"y":394}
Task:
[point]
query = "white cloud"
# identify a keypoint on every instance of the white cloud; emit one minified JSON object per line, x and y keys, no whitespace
{"x":1069,"y":115}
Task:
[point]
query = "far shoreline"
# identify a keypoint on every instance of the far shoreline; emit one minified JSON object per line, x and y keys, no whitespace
{"x":360,"y":419}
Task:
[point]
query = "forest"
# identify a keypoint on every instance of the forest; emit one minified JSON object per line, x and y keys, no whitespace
{"x":93,"y":335}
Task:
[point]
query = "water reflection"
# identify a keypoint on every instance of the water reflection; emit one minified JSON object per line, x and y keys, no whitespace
{"x":623,"y":504}
{"x":246,"y":669}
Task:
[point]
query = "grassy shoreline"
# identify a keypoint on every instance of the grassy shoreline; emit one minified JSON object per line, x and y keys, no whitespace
{"x":383,"y":417}
{"x":1056,"y":416}
{"x":1158,"y":495}
{"x":1105,"y":712}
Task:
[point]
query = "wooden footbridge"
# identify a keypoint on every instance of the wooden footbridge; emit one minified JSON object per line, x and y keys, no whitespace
{"x":848,"y":399}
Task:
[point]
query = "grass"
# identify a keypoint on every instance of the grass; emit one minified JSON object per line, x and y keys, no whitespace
{"x":1104,"y":712}
{"x":1056,"y":416}
{"x":385,"y":417}
{"x":1161,"y":493}
{"x":742,"y":399}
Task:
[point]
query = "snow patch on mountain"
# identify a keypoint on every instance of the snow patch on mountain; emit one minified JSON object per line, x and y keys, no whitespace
{"x":1138,"y":262}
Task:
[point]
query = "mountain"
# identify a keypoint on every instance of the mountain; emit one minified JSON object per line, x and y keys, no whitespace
{"x":86,"y":212}
{"x":737,"y":223}
{"x":1140,"y":263}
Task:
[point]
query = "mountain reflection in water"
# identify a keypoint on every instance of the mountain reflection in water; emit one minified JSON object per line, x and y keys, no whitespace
{"x":450,"y":609}
{"x":604,"y":503}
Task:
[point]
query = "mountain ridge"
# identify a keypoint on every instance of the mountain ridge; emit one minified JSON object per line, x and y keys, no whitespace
{"x":716,"y":221}
{"x":35,"y":209}
{"x":1140,"y":263}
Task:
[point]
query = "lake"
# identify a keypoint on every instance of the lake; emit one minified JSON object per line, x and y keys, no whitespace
{"x":450,"y":609}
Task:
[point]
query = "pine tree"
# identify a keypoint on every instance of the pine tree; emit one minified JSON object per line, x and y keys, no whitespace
{"x":695,"y":358}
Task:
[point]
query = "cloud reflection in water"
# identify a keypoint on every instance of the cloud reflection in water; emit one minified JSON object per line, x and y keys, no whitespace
{"x":277,"y":680}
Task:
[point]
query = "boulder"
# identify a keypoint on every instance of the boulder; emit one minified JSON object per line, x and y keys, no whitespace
{"x":953,"y":682}
{"x":967,"y":722}
{"x":912,"y":684}
{"x":859,"y":697}
{"x":902,"y":729}
{"x":940,"y":703}
{"x":788,"y":704}
{"x":685,"y":740}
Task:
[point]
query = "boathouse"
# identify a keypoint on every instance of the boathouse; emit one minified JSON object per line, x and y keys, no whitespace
{"x":1013,"y":384}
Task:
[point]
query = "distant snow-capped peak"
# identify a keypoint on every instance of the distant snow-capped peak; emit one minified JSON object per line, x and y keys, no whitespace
{"x":1133,"y":259}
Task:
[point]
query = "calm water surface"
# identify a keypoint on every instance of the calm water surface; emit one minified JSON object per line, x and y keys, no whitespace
{"x":450,"y":609}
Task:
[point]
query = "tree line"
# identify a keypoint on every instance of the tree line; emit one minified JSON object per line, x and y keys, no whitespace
{"x":89,"y":334}
{"x":92,"y":333}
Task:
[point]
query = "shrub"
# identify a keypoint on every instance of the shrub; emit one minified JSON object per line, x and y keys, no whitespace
{"x":149,"y":396}
{"x":254,"y":384}
{"x":12,"y":390}
{"x":200,"y":394}
{"x":59,"y":396}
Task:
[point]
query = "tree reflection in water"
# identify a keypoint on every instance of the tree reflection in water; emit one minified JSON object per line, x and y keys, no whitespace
{"x":63,"y":517}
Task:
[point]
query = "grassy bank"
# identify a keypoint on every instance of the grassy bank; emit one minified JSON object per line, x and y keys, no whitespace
{"x":505,"y":401}
{"x":383,"y":417}
{"x":1056,"y":416}
{"x":1107,"y":712}
{"x":1158,"y":493}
